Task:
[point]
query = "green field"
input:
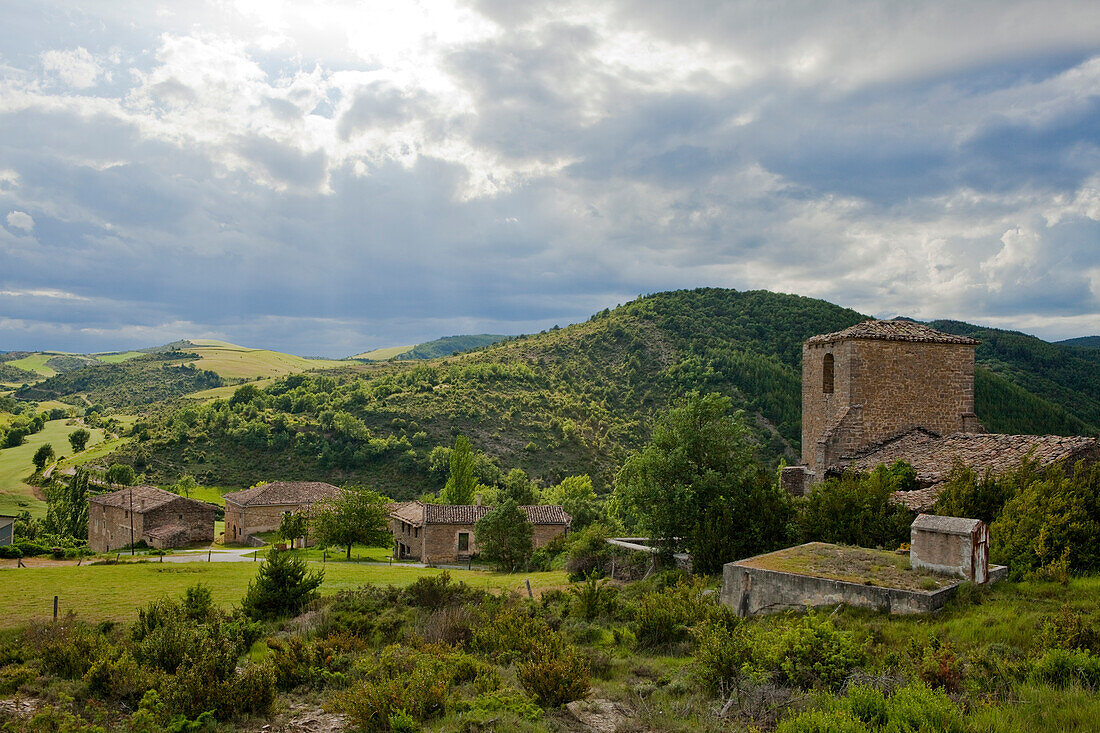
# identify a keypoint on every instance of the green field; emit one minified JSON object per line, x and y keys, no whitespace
{"x":15,"y":466}
{"x":118,"y":356}
{"x":37,"y":363}
{"x":224,"y":393}
{"x":237,"y":362}
{"x":388,"y":352}
{"x":115,"y":592}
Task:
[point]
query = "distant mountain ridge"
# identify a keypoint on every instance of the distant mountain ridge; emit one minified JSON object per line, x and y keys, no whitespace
{"x":1087,"y":342}
{"x":441,"y":347}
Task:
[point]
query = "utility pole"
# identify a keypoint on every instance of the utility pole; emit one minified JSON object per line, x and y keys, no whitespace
{"x":131,"y":521}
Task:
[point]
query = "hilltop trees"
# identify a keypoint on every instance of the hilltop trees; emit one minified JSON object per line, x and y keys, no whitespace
{"x":695,"y":486}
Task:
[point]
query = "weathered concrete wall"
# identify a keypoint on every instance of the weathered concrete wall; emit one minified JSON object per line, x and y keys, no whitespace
{"x":895,"y":384}
{"x":751,"y":591}
{"x":963,"y":555}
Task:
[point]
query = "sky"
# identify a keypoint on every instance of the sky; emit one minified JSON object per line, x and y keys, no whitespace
{"x":329,"y":177}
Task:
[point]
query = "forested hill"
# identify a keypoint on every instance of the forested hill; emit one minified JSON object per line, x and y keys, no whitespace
{"x":571,"y":400}
{"x":1087,"y":342}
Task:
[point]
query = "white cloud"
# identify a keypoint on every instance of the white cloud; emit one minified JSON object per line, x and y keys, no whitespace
{"x":76,"y":67}
{"x":21,"y":220}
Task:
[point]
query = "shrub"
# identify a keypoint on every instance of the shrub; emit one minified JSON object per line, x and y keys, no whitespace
{"x":513,"y":634}
{"x":722,"y":653}
{"x":864,"y":709}
{"x":588,"y":553}
{"x":554,"y":675}
{"x":282,"y":587}
{"x":1063,"y":667}
{"x":592,"y":598}
{"x":488,"y":706}
{"x":14,"y":676}
{"x":1068,"y":630}
{"x":414,"y":683}
{"x":858,"y":510}
{"x":10,"y":552}
{"x":117,"y":678}
{"x":822,"y":721}
{"x":664,"y":618}
{"x":810,"y":653}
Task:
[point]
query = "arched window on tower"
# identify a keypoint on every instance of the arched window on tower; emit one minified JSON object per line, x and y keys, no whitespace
{"x":827,"y":374}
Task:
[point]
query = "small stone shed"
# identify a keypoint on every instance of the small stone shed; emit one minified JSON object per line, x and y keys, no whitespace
{"x":950,"y":546}
{"x":261,"y":508}
{"x":160,"y":518}
{"x":7,"y":529}
{"x":433,"y":533}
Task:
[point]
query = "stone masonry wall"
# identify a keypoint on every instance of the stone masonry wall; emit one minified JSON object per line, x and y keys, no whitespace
{"x":439,"y":542}
{"x":109,"y":527}
{"x":240,"y":522}
{"x":196,"y":516}
{"x":896,"y":384}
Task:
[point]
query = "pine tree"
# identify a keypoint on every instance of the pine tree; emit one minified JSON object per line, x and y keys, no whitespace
{"x":282,"y":587}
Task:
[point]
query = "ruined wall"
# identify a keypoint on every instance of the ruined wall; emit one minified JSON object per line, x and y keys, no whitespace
{"x":240,"y":522}
{"x":197,"y":517}
{"x":439,"y":542}
{"x":881,"y":388}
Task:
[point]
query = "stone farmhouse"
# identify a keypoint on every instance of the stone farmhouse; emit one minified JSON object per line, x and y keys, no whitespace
{"x":883,"y":391}
{"x":160,"y":518}
{"x":261,"y":508}
{"x":7,"y":529}
{"x":433,"y":533}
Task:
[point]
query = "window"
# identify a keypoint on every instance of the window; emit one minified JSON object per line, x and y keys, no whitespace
{"x":827,"y":374}
{"x":179,"y":516}
{"x":416,"y":531}
{"x":463,"y":541}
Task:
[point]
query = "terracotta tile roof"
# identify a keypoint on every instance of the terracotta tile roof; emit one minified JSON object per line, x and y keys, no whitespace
{"x":899,"y":330}
{"x":419,"y":514}
{"x":933,"y":456}
{"x":146,"y":498}
{"x":284,"y":492}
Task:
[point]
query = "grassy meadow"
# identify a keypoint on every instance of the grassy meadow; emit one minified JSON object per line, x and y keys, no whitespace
{"x":15,"y":465}
{"x":384,"y":353}
{"x":238,"y":362}
{"x":115,"y":592}
{"x":117,"y":357}
{"x":37,"y":363}
{"x":224,"y":393}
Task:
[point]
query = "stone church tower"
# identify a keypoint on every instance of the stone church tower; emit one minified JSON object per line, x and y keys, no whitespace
{"x":878,"y":379}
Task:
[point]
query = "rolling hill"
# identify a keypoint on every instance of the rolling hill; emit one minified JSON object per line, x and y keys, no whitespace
{"x":576,"y":399}
{"x":442,"y":347}
{"x":1086,"y":342}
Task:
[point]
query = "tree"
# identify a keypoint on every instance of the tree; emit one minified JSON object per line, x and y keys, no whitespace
{"x":282,"y":587}
{"x":293,"y":526}
{"x":43,"y":455}
{"x":120,"y":474}
{"x":244,"y":394}
{"x":460,"y":482}
{"x":699,"y":463}
{"x":504,"y":536}
{"x":858,"y":510}
{"x":78,"y":439}
{"x":520,"y":488}
{"x":67,"y":506}
{"x":576,"y":496}
{"x":358,"y":516}
{"x":185,"y":485}
{"x":16,"y":435}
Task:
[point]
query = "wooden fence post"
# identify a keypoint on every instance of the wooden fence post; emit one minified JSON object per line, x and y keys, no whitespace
{"x":529,"y":593}
{"x":55,"y":608}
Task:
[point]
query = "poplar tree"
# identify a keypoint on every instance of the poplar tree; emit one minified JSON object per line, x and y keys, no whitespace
{"x":460,"y":481}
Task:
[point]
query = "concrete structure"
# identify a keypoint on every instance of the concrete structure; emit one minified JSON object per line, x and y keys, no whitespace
{"x":872,"y":380}
{"x":434,"y":533}
{"x":7,"y":529}
{"x":950,"y":546}
{"x":883,"y":391}
{"x":261,"y":508}
{"x":784,"y":580}
{"x":159,"y":518}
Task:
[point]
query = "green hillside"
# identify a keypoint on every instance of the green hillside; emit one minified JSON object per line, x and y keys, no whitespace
{"x":570,"y":400}
{"x":138,"y":381}
{"x":1085,"y":342}
{"x":1065,"y":376}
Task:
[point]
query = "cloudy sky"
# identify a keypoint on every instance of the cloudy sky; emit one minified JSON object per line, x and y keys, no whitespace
{"x":324,"y":177}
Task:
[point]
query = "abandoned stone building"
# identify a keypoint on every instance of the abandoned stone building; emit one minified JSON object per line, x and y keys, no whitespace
{"x":261,"y":508}
{"x":433,"y":533}
{"x":160,"y":518}
{"x":883,"y":391}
